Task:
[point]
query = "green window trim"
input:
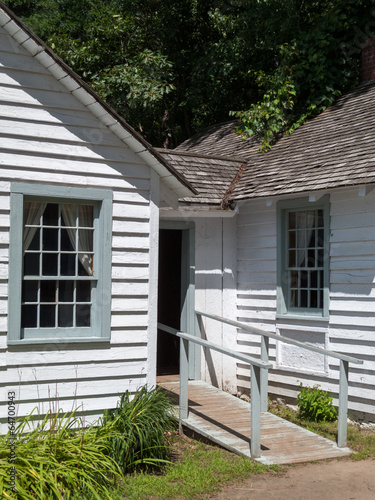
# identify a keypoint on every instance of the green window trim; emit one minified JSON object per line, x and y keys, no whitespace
{"x":97,"y":276}
{"x":303,"y":282}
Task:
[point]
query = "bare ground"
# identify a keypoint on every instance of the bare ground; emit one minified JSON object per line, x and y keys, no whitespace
{"x":326,"y":480}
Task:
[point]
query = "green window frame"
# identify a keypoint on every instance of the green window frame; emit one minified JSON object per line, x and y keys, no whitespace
{"x":303,"y":258}
{"x":59,"y":264}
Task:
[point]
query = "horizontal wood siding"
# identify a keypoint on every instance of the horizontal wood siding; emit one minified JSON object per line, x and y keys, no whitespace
{"x":351,"y":324}
{"x":48,"y":137}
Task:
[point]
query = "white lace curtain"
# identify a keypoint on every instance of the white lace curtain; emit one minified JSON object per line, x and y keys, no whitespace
{"x":304,"y":237}
{"x":32,"y":215}
{"x":69,"y":213}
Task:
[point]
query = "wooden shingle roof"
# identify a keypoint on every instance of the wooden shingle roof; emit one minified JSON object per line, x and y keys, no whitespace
{"x":335,"y":149}
{"x":211,"y":176}
{"x":220,"y":139}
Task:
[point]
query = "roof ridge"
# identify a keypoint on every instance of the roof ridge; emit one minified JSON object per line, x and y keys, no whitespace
{"x":201,"y":155}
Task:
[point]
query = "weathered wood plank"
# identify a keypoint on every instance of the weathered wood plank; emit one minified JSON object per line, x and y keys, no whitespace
{"x":225,"y":419}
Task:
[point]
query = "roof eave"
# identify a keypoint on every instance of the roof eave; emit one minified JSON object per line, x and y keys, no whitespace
{"x":83,"y":93}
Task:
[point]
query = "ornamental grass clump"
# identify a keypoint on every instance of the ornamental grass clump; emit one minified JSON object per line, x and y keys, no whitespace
{"x":315,"y":405}
{"x":141,"y":423}
{"x":58,"y":458}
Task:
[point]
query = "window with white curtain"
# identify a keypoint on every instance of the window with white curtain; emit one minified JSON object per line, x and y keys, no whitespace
{"x":303,"y":263}
{"x":62,"y":261}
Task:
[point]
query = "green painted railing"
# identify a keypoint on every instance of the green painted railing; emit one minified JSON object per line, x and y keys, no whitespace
{"x":256,"y":365}
{"x":344,"y":369}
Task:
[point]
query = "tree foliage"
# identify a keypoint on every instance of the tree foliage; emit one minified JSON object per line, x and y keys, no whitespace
{"x":172,"y":67}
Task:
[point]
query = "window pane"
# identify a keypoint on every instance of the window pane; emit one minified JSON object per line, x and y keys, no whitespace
{"x":292,"y":258}
{"x":320,"y":217}
{"x":29,"y":315}
{"x":50,"y":239}
{"x":68,"y":264}
{"x":30,"y":291}
{"x":310,"y":219}
{"x":83,"y":315}
{"x":304,"y":302}
{"x":65,"y":316}
{"x":69,"y":215}
{"x":49,"y":264}
{"x":35,"y":242}
{"x":292,"y":220}
{"x":294,"y":279}
{"x":86,"y":216}
{"x":31,"y":264}
{"x":83,"y":291}
{"x":31,"y":213}
{"x":66,"y":291}
{"x":301,"y":220}
{"x":304,"y":279}
{"x":66,"y":240}
{"x":85,"y":264}
{"x":47,"y":316}
{"x":85,"y":240}
{"x":292,"y":239}
{"x":294,"y":298}
{"x":51,"y":215}
{"x":314,"y":279}
{"x":48,"y":291}
{"x":314,"y":299}
{"x":311,"y":258}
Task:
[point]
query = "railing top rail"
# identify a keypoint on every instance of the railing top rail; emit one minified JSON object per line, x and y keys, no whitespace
{"x":215,"y":347}
{"x":258,"y":331}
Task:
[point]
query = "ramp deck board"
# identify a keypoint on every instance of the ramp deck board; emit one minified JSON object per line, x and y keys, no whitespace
{"x":225,"y":420}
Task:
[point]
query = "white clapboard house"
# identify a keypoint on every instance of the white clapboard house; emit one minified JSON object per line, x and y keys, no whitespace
{"x":79,"y":216}
{"x":101,"y":236}
{"x":285,"y":242}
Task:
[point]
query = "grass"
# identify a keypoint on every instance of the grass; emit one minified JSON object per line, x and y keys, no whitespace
{"x":198,"y":470}
{"x":57,"y":457}
{"x":360,"y":440}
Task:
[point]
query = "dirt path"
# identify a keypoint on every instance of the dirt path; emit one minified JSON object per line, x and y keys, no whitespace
{"x":334,"y":480}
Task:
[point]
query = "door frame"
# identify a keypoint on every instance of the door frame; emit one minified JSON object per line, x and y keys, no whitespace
{"x":189,"y":322}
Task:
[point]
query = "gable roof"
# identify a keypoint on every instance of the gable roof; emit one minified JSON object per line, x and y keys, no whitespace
{"x":83,"y":93}
{"x":335,"y":149}
{"x":209,"y":175}
{"x":220,"y":139}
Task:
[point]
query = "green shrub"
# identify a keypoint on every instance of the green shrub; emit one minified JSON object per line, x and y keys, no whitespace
{"x":57,"y":458}
{"x":315,"y":405}
{"x":141,"y":425}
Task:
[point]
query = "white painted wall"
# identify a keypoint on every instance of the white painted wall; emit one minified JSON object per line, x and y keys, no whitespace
{"x":48,"y":137}
{"x":216,"y":294}
{"x":350,"y":328}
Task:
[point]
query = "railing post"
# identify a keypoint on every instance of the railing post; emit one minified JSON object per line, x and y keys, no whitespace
{"x":343,"y":404}
{"x":255,"y":411}
{"x":264,"y":374}
{"x":184,"y":379}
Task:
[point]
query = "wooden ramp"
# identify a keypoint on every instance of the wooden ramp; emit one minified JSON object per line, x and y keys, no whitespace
{"x":225,"y":420}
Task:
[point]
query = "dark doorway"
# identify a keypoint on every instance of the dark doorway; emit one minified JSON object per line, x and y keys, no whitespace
{"x":169,"y":300}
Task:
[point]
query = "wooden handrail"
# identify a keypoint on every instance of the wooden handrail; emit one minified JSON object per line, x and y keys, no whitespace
{"x":344,"y":369}
{"x":287,"y":340}
{"x":256,"y":366}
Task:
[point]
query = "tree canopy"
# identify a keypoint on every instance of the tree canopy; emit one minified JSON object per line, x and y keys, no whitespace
{"x":172,"y":67}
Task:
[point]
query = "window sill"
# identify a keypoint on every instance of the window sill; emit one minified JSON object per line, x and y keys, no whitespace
{"x":60,"y":341}
{"x":302,"y":317}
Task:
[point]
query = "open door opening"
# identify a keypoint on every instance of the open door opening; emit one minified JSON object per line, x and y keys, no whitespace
{"x":169,"y":300}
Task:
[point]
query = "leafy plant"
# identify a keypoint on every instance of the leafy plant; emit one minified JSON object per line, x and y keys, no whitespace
{"x":58,"y":457}
{"x":315,"y":405}
{"x":141,"y":424}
